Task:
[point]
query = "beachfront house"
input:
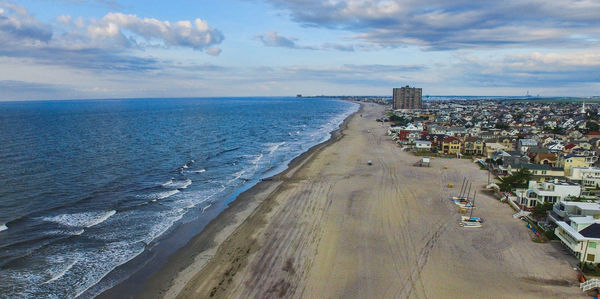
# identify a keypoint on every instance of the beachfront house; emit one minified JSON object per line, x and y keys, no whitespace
{"x":422,"y":145}
{"x":587,"y":176}
{"x":473,"y":146}
{"x":581,"y":235}
{"x":451,"y":146}
{"x":565,"y":210}
{"x":546,"y":192}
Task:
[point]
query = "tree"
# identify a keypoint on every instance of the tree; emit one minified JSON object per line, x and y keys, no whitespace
{"x":592,"y":126}
{"x":502,"y":126}
{"x":519,"y":179}
{"x":558,"y":130}
{"x":539,"y":211}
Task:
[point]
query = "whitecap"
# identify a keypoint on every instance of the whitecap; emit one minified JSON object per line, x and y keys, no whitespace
{"x":257,"y":159}
{"x":167,"y":183}
{"x":199,"y":171}
{"x":84,"y":219}
{"x":62,"y":272}
{"x":236,"y":176}
{"x":274,"y":146}
{"x":182,"y":184}
{"x":162,"y":195}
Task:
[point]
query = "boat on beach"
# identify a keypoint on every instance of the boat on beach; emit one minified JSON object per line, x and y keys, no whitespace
{"x":471,"y":219}
{"x":470,"y":224}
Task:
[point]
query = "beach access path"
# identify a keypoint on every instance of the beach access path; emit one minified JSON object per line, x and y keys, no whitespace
{"x":335,"y":227}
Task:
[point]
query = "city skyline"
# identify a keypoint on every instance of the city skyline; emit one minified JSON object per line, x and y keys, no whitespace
{"x":79,"y":49}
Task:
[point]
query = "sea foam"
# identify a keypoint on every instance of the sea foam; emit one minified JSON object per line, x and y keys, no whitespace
{"x":84,"y":219}
{"x":181,"y":184}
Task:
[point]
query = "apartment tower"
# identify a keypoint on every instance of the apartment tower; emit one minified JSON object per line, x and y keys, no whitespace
{"x":407,"y":98}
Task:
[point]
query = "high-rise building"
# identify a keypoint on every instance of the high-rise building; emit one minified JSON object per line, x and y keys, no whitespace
{"x":407,"y":98}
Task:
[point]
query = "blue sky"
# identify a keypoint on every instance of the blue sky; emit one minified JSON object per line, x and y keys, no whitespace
{"x":123,"y":48}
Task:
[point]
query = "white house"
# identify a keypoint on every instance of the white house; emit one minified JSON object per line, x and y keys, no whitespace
{"x":581,"y":237}
{"x":586,"y":176}
{"x":547,"y":191}
{"x":413,"y":127}
{"x":423,"y":145}
{"x":565,"y":210}
{"x":555,"y":147}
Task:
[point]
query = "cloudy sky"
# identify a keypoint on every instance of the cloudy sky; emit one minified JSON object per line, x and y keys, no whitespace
{"x":66,"y":49}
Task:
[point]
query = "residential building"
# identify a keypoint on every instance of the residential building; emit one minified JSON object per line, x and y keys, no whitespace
{"x":582,"y":237}
{"x":586,"y":176}
{"x":545,"y":158}
{"x":524,"y":144}
{"x":451,"y":146}
{"x":407,"y":98}
{"x":540,"y":172}
{"x":574,"y":160}
{"x":564,"y":210}
{"x":422,"y":145}
{"x":491,"y":148}
{"x":473,"y":146}
{"x":547,"y":192}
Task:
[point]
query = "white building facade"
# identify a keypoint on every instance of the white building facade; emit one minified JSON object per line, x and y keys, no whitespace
{"x":547,"y":192}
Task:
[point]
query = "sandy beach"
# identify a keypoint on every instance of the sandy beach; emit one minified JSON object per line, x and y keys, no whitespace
{"x":332,"y":226}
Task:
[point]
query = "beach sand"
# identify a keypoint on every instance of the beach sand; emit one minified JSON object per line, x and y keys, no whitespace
{"x":333,"y":226}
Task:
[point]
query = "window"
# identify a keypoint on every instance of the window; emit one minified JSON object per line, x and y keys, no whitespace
{"x":590,"y":257}
{"x":592,"y":244}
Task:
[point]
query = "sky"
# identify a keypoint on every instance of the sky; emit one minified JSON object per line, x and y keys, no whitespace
{"x":95,"y":49}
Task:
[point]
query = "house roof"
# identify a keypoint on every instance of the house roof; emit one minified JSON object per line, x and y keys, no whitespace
{"x":514,"y":153}
{"x":537,"y":150}
{"x":528,"y":142}
{"x":450,"y":139}
{"x":472,"y":139}
{"x":592,"y":231}
{"x":549,"y":156}
{"x":569,"y":146}
{"x":593,"y":134}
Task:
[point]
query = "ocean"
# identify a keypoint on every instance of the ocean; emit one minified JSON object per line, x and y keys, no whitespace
{"x":86,"y":186}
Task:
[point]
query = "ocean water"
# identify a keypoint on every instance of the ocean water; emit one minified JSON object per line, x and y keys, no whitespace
{"x":86,"y":186}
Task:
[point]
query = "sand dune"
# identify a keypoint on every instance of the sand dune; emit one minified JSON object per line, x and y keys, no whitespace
{"x":335,"y":227}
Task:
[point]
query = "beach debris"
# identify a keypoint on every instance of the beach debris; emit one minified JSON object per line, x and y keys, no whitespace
{"x":445,"y":167}
{"x":450,"y":185}
{"x":370,"y":162}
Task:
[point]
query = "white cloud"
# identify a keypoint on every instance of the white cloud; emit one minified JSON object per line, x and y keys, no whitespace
{"x":197,"y":35}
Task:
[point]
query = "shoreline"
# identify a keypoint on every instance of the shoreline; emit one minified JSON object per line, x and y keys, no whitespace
{"x":339,"y":227}
{"x":172,"y":275}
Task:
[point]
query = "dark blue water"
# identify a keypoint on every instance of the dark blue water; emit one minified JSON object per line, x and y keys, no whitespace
{"x":85,"y":186}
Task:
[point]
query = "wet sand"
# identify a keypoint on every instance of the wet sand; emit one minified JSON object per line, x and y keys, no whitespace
{"x":333,"y":226}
